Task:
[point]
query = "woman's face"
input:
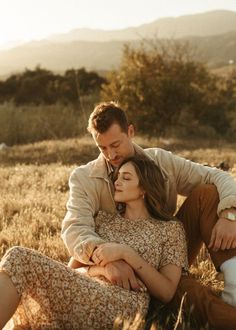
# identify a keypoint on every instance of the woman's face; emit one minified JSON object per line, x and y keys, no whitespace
{"x":127,"y":185}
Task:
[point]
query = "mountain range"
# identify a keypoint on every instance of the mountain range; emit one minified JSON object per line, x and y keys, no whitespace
{"x":212,"y":34}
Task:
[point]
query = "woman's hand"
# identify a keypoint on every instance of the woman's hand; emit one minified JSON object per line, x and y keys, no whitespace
{"x":109,"y":252}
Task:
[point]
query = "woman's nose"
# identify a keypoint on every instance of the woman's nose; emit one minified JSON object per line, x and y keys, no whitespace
{"x":117,"y":182}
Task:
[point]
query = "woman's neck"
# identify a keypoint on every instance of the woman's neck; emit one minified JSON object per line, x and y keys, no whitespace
{"x":136,"y":211}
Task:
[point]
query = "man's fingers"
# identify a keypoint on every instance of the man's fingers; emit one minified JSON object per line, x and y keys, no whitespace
{"x":216,"y":241}
{"x":229,"y":244}
{"x":141,"y":284}
{"x":212,"y":240}
{"x":119,"y":283}
{"x":223,"y":235}
{"x":217,"y":244}
{"x":121,"y":274}
{"x":233,"y":245}
{"x":125,"y":284}
{"x":224,"y":243}
{"x":133,"y":281}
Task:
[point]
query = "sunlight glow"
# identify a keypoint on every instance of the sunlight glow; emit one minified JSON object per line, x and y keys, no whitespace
{"x":36,"y":19}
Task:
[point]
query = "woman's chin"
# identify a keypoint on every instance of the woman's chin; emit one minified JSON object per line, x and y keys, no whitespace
{"x":118,"y":199}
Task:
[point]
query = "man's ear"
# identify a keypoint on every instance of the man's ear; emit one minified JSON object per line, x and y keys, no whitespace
{"x":131,"y":131}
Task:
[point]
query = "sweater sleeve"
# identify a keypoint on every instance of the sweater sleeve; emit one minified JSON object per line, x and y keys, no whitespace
{"x":78,"y":227}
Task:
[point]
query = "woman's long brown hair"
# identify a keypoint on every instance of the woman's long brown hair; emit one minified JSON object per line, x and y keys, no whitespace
{"x":152,"y":182}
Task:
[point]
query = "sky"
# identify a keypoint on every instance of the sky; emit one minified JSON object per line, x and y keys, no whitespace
{"x":25,"y":20}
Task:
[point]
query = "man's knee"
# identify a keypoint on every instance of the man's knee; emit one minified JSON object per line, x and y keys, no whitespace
{"x":208,"y":190}
{"x":207,"y":197}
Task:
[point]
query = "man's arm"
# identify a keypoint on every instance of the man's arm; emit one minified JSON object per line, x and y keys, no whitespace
{"x":78,"y":231}
{"x":188,"y":175}
{"x":78,"y":227}
{"x":223,"y":235}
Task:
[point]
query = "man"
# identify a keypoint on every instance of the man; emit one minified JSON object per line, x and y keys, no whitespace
{"x":208,"y":213}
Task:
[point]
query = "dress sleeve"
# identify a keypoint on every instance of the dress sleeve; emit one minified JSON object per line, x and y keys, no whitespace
{"x":174,"y":248}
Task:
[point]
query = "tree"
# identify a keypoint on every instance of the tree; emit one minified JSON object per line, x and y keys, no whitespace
{"x":41,"y":86}
{"x":34,"y":87}
{"x":161,"y":86}
{"x":8,"y":88}
{"x":76,"y":83}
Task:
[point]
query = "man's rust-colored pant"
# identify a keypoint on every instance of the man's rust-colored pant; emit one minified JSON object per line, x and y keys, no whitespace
{"x":199,"y":215}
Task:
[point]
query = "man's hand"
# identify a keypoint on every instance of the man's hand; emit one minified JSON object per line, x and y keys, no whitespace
{"x":121,"y":274}
{"x":223,"y":235}
{"x":109,"y":252}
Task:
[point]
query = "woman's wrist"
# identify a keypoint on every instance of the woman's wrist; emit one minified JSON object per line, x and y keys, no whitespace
{"x":134,"y":260}
{"x":128,"y":254}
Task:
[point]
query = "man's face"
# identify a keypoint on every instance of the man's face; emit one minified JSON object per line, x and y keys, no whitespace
{"x":114,"y":144}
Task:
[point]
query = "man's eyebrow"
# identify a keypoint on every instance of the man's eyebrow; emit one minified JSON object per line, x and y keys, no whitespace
{"x":117,"y":141}
{"x":100,"y":146}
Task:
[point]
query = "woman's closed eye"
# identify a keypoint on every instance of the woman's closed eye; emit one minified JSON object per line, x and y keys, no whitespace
{"x":127,"y":178}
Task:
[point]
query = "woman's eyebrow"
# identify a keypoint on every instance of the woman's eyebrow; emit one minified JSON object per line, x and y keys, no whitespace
{"x":125,"y":173}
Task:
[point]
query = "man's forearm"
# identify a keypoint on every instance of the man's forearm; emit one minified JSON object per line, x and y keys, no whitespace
{"x":80,"y":239}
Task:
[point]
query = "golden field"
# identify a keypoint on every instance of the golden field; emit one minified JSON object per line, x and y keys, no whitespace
{"x":34,"y":191}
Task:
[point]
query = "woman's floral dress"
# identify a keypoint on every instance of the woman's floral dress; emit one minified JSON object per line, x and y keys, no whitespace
{"x":54,"y":296}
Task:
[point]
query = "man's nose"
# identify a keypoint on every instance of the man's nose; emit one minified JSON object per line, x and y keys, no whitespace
{"x":111,"y":154}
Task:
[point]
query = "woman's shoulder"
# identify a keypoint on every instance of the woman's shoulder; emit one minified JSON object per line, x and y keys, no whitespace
{"x":105,"y":215}
{"x":171,"y":227}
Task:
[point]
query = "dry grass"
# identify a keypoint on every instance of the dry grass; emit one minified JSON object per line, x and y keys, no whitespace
{"x":34,"y":191}
{"x":32,"y":207}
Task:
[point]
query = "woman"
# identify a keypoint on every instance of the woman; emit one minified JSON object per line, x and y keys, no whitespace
{"x":47,"y":294}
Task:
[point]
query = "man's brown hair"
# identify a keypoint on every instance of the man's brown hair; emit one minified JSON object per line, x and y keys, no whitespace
{"x":106,"y":114}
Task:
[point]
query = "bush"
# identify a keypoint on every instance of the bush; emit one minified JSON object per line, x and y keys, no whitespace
{"x":25,"y":124}
{"x":162,"y":87}
{"x":41,"y":86}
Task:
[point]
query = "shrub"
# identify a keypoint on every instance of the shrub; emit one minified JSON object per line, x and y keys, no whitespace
{"x":24,"y":124}
{"x":162,"y":87}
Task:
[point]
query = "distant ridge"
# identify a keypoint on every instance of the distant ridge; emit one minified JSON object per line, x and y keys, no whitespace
{"x":204,"y":24}
{"x":212,"y":33}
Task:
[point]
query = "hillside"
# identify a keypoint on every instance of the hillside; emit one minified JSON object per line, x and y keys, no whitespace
{"x":214,"y":50}
{"x":59,"y":56}
{"x":204,"y":24}
{"x":213,"y":36}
